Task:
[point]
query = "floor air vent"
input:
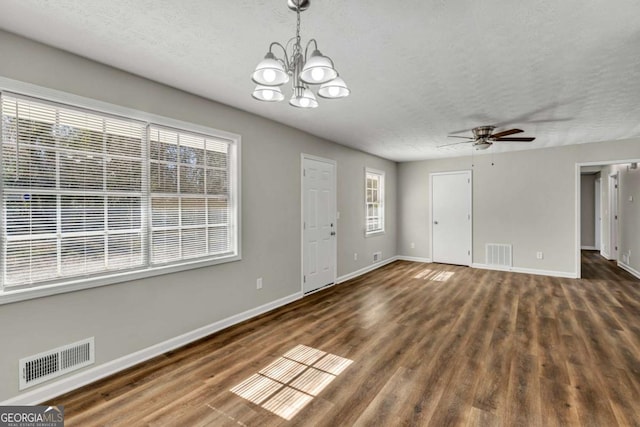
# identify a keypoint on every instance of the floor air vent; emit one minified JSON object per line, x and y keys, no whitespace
{"x":499,"y":255}
{"x":54,"y":363}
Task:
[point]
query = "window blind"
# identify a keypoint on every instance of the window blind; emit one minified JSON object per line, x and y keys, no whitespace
{"x":72,"y":191}
{"x":190,"y":195}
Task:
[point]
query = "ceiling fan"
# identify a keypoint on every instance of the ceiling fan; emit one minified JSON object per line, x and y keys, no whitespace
{"x":483,"y":137}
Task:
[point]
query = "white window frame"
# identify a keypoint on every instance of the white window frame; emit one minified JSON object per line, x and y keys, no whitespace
{"x":148,"y":270}
{"x":379,"y":175}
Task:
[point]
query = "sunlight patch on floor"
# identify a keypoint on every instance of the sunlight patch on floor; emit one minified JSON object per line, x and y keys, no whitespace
{"x":292,"y":381}
{"x":434,"y":275}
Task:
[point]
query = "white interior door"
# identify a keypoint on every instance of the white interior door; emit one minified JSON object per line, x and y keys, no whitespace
{"x":451,"y":217}
{"x":318,"y":223}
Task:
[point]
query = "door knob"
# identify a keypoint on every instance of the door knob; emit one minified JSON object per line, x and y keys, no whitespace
{"x":333,"y":233}
{"x":435,"y":222}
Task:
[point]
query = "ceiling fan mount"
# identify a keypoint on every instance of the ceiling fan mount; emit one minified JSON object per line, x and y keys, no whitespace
{"x":483,"y":137}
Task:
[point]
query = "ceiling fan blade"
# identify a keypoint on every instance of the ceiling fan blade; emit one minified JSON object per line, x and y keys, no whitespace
{"x":506,"y":132}
{"x":465,"y":137}
{"x":453,"y":143}
{"x":522,"y":139}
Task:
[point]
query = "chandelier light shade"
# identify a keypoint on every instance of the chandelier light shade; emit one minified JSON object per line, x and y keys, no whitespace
{"x":318,"y":69}
{"x":270,"y":72}
{"x":303,"y":98}
{"x":334,"y":89}
{"x":268,"y":93}
{"x":304,"y":70}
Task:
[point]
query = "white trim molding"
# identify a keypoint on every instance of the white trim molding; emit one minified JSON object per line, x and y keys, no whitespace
{"x":53,"y":389}
{"x":588,"y":248}
{"x":628,"y":268}
{"x":365,"y":270}
{"x":552,"y":273}
{"x":413,"y":258}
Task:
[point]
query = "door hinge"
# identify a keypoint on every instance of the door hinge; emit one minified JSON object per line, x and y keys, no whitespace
{"x":468,"y":180}
{"x":304,"y":225}
{"x":468,"y":252}
{"x":616,"y":186}
{"x":304,"y":172}
{"x":304,"y":279}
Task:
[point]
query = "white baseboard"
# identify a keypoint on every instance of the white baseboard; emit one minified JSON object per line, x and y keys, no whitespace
{"x":604,"y":254}
{"x":552,"y":273}
{"x":588,"y":248}
{"x":65,"y":385}
{"x":630,"y":269}
{"x":413,"y":258}
{"x":365,"y":270}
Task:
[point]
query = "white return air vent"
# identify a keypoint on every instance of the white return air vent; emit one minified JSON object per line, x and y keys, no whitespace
{"x":54,"y":363}
{"x":499,"y":255}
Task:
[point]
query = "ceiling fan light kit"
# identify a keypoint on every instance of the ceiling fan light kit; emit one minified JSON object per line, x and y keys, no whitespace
{"x":304,"y":70}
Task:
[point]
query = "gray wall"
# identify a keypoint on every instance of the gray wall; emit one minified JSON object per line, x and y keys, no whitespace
{"x":587,"y":210}
{"x":131,"y":316}
{"x":526,"y":198}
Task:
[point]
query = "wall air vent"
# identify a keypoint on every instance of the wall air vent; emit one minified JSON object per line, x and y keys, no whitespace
{"x":499,"y":255}
{"x":54,"y":363}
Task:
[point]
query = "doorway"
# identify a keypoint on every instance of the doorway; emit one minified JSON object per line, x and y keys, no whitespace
{"x":451,"y":217}
{"x":319,"y":226}
{"x":608,"y":213}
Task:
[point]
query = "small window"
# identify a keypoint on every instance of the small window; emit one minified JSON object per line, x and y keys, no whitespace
{"x":374,"y":201}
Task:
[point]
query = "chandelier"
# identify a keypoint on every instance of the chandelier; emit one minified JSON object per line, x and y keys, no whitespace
{"x":296,"y":65}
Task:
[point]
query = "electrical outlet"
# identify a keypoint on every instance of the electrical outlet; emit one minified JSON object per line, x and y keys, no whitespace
{"x":355,"y":256}
{"x":259,"y":283}
{"x":539,"y":255}
{"x":413,"y":245}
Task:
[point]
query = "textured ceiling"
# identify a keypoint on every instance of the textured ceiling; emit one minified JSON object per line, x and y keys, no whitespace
{"x":565,"y":71}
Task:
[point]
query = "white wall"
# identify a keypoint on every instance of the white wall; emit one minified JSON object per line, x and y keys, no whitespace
{"x":527,"y":198}
{"x":128,"y":317}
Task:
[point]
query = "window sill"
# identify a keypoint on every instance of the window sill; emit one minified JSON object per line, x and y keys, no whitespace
{"x":16,"y":295}
{"x":374,"y":233}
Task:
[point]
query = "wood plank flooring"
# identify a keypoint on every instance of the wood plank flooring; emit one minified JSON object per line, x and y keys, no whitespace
{"x":429,"y":344}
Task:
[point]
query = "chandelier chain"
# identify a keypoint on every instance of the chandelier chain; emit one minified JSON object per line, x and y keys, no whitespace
{"x":298,"y":45}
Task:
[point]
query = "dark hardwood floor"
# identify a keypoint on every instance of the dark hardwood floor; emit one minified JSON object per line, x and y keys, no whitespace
{"x":407,"y":344}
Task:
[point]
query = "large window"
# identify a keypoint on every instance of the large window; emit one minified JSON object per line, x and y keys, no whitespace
{"x":374,"y":203}
{"x":87,"y":194}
